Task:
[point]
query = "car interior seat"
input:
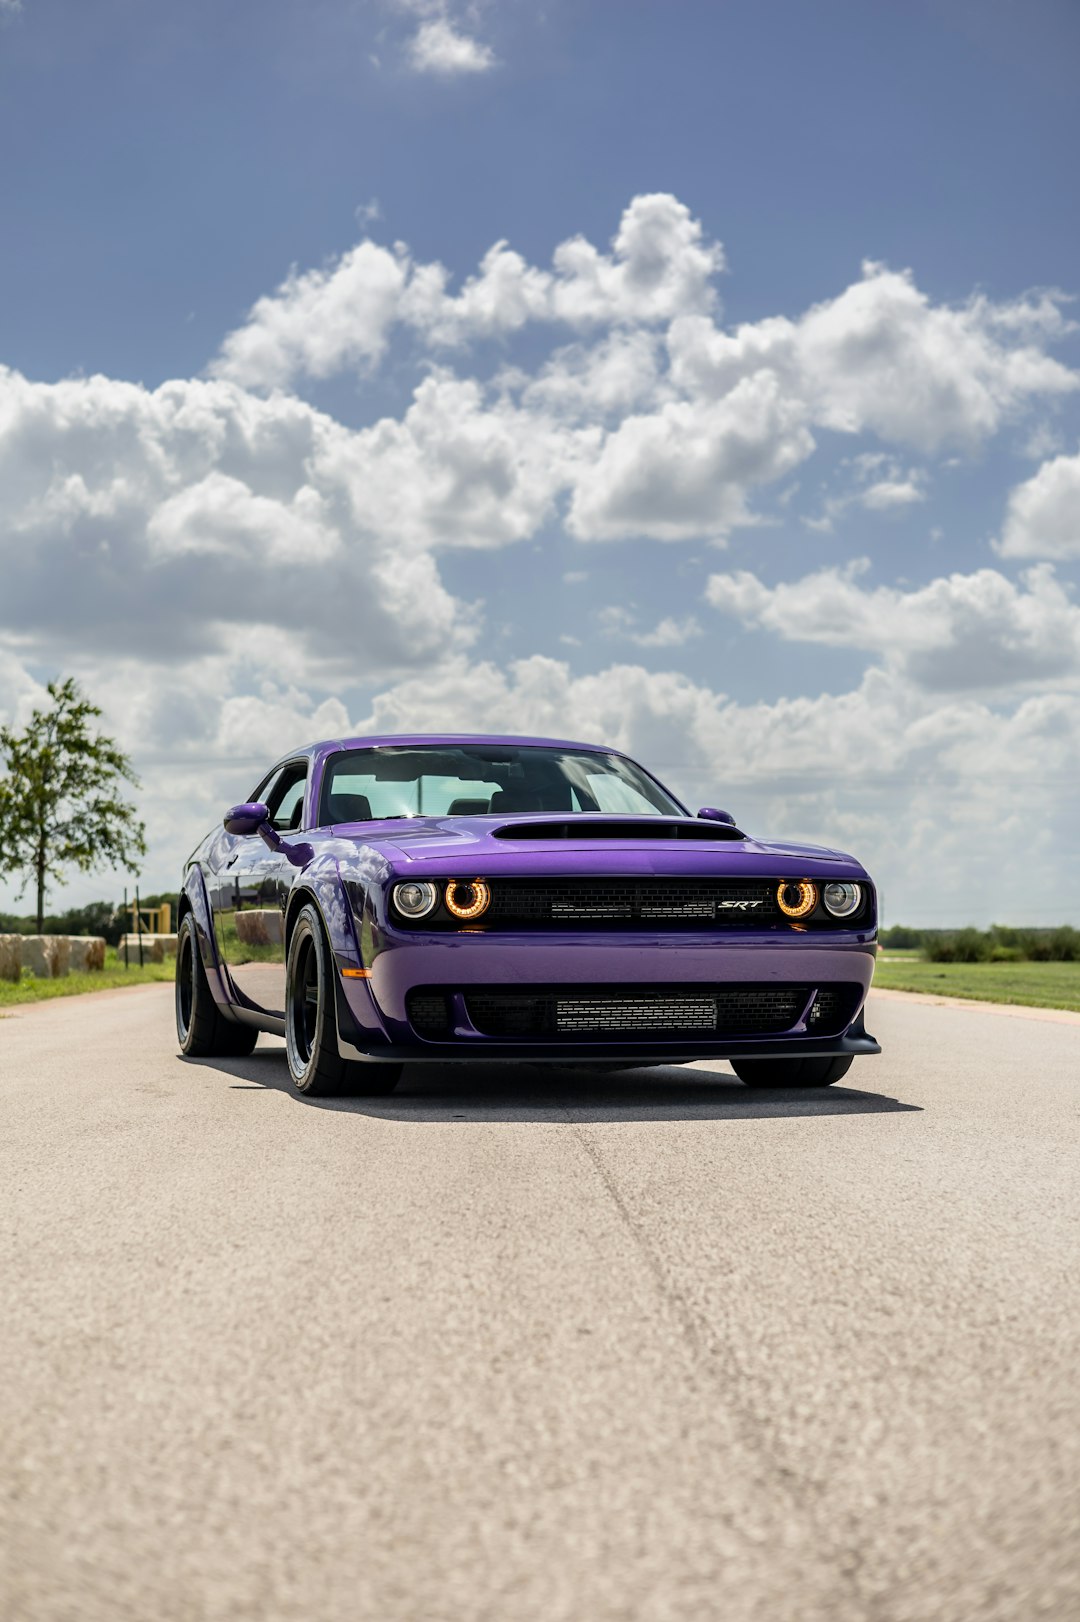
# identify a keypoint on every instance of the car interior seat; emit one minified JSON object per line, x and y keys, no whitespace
{"x":468,"y":808}
{"x":516,"y":799}
{"x":348,"y":808}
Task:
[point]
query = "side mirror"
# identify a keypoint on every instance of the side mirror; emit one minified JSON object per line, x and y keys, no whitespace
{"x":711,"y":814}
{"x":245,"y":819}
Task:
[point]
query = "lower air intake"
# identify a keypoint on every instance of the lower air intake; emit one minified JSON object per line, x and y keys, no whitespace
{"x":833,"y":1009}
{"x":429,"y":1013}
{"x":663,"y":1014}
{"x":585,"y":1015}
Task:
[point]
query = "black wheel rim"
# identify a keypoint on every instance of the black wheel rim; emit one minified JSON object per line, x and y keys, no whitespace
{"x":305,"y":1000}
{"x":185,"y":985}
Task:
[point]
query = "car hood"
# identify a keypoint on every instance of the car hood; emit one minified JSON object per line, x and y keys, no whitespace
{"x":546,"y":844}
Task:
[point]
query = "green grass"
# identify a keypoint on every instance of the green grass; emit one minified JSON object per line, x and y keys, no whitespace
{"x":30,"y":989}
{"x":1037,"y":985}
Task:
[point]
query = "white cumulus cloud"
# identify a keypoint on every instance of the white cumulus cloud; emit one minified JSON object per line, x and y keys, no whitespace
{"x":339,"y":316}
{"x":439,"y":47}
{"x":882,"y":358}
{"x":319,"y":321}
{"x":160,"y":521}
{"x":690,"y":419}
{"x":687,"y":469}
{"x":976,"y":631}
{"x":1043,"y":515}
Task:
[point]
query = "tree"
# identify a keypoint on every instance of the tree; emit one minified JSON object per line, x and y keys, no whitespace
{"x":60,"y":803}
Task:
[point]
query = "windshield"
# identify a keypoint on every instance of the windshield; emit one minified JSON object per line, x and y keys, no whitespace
{"x":477,"y":779}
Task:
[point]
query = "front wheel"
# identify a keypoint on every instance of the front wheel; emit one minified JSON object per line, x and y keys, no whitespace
{"x":315,"y":1066}
{"x":806,"y":1072}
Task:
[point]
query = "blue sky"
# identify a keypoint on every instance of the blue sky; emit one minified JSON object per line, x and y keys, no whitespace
{"x":165,"y":165}
{"x":797,"y":520}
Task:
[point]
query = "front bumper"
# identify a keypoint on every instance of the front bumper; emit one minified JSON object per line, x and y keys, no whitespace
{"x":374,"y":1024}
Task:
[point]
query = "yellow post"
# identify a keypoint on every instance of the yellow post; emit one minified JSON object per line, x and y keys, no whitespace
{"x":156,"y":920}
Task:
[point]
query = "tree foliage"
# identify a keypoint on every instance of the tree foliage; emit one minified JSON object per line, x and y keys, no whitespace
{"x":61,"y":801}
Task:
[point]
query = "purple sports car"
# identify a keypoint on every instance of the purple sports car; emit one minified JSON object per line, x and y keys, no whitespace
{"x":388,"y":900}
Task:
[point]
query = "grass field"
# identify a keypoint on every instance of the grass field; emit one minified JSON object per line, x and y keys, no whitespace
{"x":1038,"y":985}
{"x":30,"y":989}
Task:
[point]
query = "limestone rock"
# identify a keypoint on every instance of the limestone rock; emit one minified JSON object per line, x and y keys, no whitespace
{"x":87,"y":953}
{"x":36,"y":958}
{"x":155,"y":948}
{"x":10,"y":957}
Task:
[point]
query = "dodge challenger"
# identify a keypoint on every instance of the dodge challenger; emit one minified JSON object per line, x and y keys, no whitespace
{"x":390,"y":900}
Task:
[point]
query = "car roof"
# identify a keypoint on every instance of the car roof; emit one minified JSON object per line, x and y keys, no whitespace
{"x":437,"y":738}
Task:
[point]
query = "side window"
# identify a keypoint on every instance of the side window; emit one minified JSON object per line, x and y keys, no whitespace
{"x":286,"y":799}
{"x":262,"y":794}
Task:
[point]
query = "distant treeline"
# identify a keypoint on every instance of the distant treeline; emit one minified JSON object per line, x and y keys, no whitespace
{"x":1001,"y":943}
{"x":106,"y":918}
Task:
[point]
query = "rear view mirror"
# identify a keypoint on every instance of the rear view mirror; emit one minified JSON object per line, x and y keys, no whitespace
{"x":245,"y":819}
{"x":711,"y":814}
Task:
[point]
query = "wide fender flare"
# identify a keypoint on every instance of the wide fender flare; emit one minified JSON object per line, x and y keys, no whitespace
{"x":360,"y":1031}
{"x":322,"y":881}
{"x":193,"y":891}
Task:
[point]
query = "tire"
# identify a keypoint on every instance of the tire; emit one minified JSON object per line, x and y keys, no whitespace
{"x":806,"y":1072}
{"x":316,"y":1069}
{"x":201,"y":1029}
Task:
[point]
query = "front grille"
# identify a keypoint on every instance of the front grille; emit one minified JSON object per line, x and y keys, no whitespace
{"x":663,"y":1012}
{"x":634,"y":902}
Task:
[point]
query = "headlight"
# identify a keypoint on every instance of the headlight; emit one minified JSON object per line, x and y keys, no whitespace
{"x":797,"y":897}
{"x":467,"y":898}
{"x":415,"y":900}
{"x":843,"y":899}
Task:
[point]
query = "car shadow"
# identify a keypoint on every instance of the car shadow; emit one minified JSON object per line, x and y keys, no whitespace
{"x":452,"y":1093}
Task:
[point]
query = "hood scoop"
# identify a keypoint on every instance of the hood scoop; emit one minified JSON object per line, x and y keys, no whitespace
{"x":640,"y":830}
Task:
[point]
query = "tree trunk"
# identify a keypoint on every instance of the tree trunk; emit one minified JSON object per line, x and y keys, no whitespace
{"x":39,"y":868}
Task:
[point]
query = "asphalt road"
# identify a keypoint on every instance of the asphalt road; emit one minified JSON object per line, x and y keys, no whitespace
{"x":527,"y":1346}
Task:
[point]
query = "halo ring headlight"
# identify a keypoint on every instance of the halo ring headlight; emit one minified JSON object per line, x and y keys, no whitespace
{"x":415,"y":899}
{"x":843,"y":898}
{"x":467,"y":898}
{"x":797,"y":898}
